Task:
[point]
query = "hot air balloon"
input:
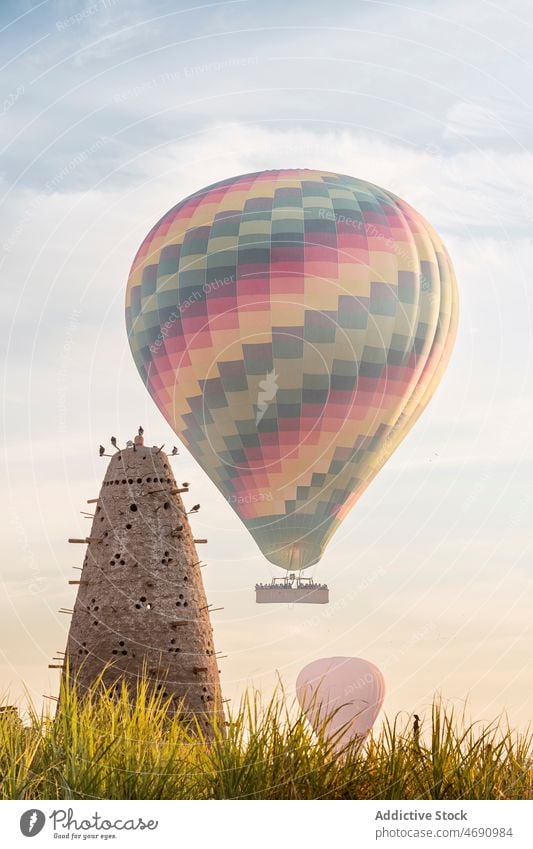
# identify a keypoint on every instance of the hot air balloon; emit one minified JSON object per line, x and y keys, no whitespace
{"x":291,"y":326}
{"x":341,"y":697}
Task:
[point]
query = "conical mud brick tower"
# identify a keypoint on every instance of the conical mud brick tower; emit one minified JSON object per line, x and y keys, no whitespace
{"x":141,"y":601}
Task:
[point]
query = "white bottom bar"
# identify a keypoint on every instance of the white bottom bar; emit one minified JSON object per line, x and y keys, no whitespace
{"x":254,"y":824}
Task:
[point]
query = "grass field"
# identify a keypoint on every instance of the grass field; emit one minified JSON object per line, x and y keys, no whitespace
{"x":118,"y":749}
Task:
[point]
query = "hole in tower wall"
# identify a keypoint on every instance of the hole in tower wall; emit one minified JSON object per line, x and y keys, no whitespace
{"x":133,"y":508}
{"x":166,"y":505}
{"x":128,"y":527}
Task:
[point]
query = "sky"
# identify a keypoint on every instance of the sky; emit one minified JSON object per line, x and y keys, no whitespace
{"x":111,"y":112}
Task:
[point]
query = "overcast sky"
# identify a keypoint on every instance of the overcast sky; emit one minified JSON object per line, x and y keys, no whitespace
{"x":113,"y":111}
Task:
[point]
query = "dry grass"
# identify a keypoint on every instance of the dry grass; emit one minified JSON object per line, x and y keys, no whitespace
{"x":105,"y":748}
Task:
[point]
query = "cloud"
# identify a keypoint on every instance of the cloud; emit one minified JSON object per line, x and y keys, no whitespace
{"x":486,"y":121}
{"x":383,"y":93}
{"x":66,"y":249}
{"x":141,"y":73}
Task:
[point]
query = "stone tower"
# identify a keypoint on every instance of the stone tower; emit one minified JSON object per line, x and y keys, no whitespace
{"x":141,"y":600}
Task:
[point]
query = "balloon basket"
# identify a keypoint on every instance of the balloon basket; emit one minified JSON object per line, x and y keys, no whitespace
{"x":291,"y":590}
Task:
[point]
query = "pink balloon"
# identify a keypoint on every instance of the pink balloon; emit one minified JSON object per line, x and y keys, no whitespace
{"x":341,"y":693}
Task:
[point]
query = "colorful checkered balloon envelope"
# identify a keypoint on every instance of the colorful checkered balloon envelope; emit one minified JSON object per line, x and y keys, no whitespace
{"x":291,"y":326}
